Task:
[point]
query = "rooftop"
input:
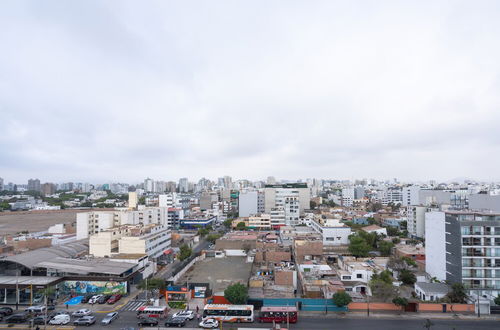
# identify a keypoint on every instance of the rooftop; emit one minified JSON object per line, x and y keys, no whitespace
{"x":27,"y":280}
{"x":434,"y":287}
{"x":87,"y":266}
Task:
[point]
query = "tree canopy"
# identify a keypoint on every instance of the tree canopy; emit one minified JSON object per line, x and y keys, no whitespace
{"x":185,"y":252}
{"x":341,"y":298}
{"x":236,"y":294}
{"x":457,"y":294}
{"x":358,"y":246}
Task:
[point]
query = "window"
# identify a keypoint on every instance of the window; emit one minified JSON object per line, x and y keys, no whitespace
{"x":359,"y":276}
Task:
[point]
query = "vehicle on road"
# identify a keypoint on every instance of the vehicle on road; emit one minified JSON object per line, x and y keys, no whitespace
{"x":86,"y":298}
{"x":6,"y":311}
{"x":209,"y":324}
{"x":185,"y":314}
{"x":149,"y":311}
{"x":229,"y":313}
{"x":109,"y":318}
{"x":148,"y":322}
{"x":41,"y":320}
{"x":114,"y":298}
{"x":36,"y":309}
{"x":81,"y":312}
{"x":175,"y":322}
{"x":94,"y":299}
{"x":278,"y":314}
{"x":86,"y":320}
{"x":17,"y":318}
{"x":104,"y":299}
{"x":60,"y":319}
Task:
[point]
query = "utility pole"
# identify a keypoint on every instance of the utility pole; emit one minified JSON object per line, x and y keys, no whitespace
{"x":368,"y":305}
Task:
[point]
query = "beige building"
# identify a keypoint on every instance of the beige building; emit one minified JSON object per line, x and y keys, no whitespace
{"x":152,"y":240}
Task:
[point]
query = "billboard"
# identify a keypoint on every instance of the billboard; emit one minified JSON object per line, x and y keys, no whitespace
{"x":104,"y":287}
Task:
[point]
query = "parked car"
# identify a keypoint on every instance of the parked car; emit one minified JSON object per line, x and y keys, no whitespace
{"x":147,"y":322}
{"x":94,"y":299}
{"x":6,"y":311}
{"x":175,"y":322}
{"x":103,"y":299}
{"x":17,"y":318}
{"x":209,"y":324}
{"x":38,"y":298}
{"x":185,"y":314}
{"x":86,"y":298}
{"x":81,"y":312}
{"x":86,"y":320}
{"x":59,"y":313}
{"x":109,"y":318}
{"x":60,"y":319}
{"x":41,"y":319}
{"x":114,"y":298}
{"x":36,"y":309}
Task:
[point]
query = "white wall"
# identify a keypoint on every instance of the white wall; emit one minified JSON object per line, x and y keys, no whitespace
{"x":435,"y":245}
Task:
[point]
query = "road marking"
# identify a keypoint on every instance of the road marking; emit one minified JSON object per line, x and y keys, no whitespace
{"x":133,"y":305}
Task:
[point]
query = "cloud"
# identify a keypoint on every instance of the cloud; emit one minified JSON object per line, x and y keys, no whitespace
{"x":121,"y":90}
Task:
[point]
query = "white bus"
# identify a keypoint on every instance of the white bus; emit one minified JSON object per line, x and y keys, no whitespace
{"x":150,"y":311}
{"x":228,"y":313}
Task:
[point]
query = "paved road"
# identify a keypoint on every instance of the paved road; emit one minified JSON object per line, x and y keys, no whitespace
{"x":128,"y":319}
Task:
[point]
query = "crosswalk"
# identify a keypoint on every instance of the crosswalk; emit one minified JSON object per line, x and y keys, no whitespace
{"x":133,"y":305}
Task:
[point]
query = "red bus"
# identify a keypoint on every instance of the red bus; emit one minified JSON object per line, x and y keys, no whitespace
{"x":278,"y":314}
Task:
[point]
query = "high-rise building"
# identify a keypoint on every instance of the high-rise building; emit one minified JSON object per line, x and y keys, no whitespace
{"x":464,"y":247}
{"x":1,"y":184}
{"x":248,"y":203}
{"x":34,"y":185}
{"x":132,"y":199}
{"x":410,"y":195}
{"x":148,"y":185}
{"x":416,"y":221}
{"x":183,"y":185}
{"x":347,"y":196}
{"x":48,"y":189}
{"x":294,"y":198}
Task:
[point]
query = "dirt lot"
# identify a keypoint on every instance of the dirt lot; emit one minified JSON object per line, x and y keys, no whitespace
{"x":13,"y":222}
{"x":219,"y":272}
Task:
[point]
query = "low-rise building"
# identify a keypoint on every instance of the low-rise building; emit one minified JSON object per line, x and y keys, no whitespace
{"x":431,"y":291}
{"x":332,"y":231}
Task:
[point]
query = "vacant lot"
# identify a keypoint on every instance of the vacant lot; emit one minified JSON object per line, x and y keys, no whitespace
{"x":13,"y":222}
{"x":219,"y":272}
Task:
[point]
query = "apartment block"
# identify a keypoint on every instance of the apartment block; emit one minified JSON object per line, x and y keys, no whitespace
{"x":464,"y":247}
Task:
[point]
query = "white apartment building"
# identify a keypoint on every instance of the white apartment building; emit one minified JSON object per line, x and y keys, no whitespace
{"x":347,"y":197}
{"x":416,"y":221}
{"x":464,"y":247}
{"x":410,"y":195}
{"x":167,"y":200}
{"x":332,"y":231}
{"x":248,"y":203}
{"x":89,"y":223}
{"x":278,"y":217}
{"x":297,"y":195}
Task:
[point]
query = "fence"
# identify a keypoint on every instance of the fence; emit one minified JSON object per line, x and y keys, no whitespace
{"x":184,"y":267}
{"x":421,"y":307}
{"x":305,"y":304}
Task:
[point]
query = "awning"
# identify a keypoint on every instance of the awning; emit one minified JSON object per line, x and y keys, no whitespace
{"x":168,"y":251}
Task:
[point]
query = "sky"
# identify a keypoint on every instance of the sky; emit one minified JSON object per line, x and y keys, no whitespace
{"x":124,"y":90}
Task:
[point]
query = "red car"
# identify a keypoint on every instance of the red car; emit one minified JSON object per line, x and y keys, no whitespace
{"x":114,"y":298}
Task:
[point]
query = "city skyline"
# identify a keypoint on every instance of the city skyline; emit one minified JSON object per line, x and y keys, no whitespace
{"x":329,"y":89}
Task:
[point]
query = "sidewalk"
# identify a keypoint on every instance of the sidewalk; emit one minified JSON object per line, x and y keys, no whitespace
{"x":402,"y":315}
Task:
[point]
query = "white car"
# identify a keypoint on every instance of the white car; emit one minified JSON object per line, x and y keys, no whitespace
{"x":36,"y":309}
{"x":209,"y":324}
{"x":60,"y":319}
{"x":94,"y":299}
{"x":185,"y":314}
{"x":82,"y":312}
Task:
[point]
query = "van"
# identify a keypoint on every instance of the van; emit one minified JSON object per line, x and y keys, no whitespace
{"x":36,"y":309}
{"x":60,"y":319}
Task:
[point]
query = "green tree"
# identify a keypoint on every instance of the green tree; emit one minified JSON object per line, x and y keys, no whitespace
{"x":358,"y":246}
{"x":409,"y":261}
{"x":382,"y":290}
{"x":185,"y":252}
{"x":341,"y":298}
{"x":384,"y":276}
{"x":371,"y":220}
{"x":213,"y":237}
{"x":392,"y":231}
{"x":457,"y":294}
{"x":236,"y":294}
{"x":385,"y":248}
{"x":312,"y":205}
{"x":4,"y":206}
{"x":407,"y":277}
{"x":400,"y":301}
{"x":497,"y":300}
{"x":370,"y":238}
{"x":203,"y":232}
{"x":241,"y":226}
{"x":228,"y":223}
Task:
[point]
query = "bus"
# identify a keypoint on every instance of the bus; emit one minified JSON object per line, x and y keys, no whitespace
{"x":228,"y":313}
{"x":278,"y":314}
{"x":150,"y":311}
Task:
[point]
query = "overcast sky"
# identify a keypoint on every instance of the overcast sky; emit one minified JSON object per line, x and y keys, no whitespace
{"x":123,"y":90}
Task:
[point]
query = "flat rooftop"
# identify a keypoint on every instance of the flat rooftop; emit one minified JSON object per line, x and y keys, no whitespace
{"x":219,"y":272}
{"x":27,"y":280}
{"x":84,"y":266}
